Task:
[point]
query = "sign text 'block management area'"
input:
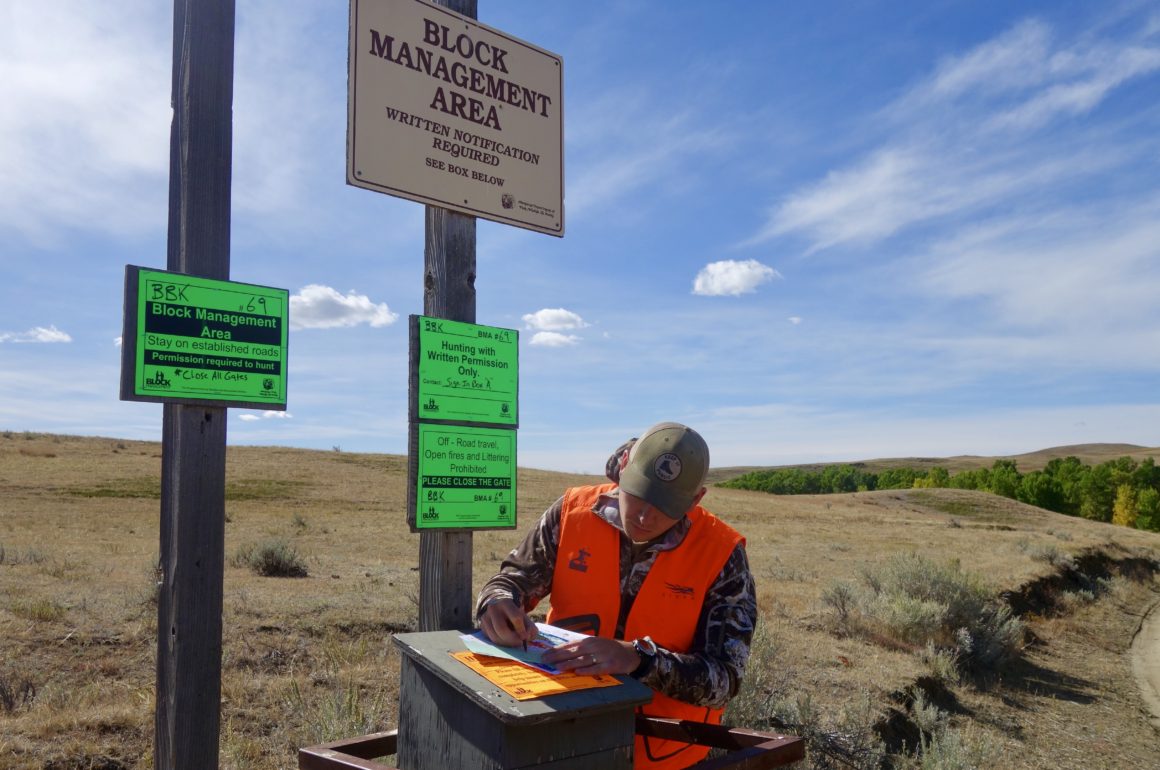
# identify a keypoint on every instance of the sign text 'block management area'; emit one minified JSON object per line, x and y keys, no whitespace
{"x":449,"y":112}
{"x":199,"y":340}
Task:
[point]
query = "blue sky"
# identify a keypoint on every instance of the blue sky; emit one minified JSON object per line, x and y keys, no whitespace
{"x":815,"y":232}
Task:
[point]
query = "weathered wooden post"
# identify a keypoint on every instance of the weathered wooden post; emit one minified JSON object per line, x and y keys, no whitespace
{"x":445,"y":599}
{"x":189,"y":605}
{"x":170,"y":317}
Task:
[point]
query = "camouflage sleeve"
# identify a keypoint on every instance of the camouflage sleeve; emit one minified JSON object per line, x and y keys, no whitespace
{"x":525,"y":575}
{"x":710,"y":674}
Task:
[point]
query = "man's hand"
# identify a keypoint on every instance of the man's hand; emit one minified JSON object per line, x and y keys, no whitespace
{"x":594,"y":655}
{"x":505,"y":623}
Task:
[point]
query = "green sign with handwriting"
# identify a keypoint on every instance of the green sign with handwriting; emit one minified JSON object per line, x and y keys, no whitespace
{"x":193,"y":339}
{"x":467,"y":372}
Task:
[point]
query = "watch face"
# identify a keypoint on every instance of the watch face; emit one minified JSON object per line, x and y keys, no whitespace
{"x":645,"y":646}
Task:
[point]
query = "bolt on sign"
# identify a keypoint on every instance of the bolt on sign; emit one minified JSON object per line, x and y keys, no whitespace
{"x":196,"y":340}
{"x":463,"y":417}
{"x":452,"y":113}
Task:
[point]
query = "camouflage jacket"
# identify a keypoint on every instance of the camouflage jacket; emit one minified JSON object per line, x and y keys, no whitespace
{"x":710,"y":673}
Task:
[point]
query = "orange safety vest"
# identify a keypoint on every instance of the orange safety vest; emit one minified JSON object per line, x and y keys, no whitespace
{"x":586,"y":597}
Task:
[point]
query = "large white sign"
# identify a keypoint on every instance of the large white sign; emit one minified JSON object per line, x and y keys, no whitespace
{"x":447,"y":111}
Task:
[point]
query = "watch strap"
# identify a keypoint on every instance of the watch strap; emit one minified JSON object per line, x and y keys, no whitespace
{"x":646,"y":649}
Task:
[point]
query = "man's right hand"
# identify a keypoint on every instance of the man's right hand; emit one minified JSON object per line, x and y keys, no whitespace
{"x":506,"y":624}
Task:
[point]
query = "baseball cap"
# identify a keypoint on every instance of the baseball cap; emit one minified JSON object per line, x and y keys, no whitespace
{"x":667,"y":468}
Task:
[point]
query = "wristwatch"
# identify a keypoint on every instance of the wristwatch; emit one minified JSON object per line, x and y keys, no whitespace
{"x":646,"y":648}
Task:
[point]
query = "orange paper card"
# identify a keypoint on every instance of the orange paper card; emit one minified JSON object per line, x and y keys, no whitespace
{"x":524,"y":682}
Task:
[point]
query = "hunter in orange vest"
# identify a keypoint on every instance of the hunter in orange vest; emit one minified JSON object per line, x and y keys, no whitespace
{"x":661,"y":584}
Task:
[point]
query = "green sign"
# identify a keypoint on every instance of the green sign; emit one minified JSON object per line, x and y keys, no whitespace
{"x":466,"y":372}
{"x":192,"y":339}
{"x":467,"y":478}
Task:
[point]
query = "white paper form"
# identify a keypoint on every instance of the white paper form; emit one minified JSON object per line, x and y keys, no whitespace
{"x":547,"y":637}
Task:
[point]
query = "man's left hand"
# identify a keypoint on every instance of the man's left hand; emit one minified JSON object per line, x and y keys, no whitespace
{"x":594,"y":655}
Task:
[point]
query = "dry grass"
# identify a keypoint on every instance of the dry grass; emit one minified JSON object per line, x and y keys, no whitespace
{"x":310,"y":659}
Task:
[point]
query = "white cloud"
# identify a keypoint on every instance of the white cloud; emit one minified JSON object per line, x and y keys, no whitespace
{"x":85,"y":126}
{"x":1013,"y":60}
{"x":36,"y":334}
{"x":321,"y":307}
{"x":627,"y":152}
{"x":732,"y":278}
{"x":795,"y":320}
{"x":554,"y":339}
{"x":1025,"y":63}
{"x":891,"y":189}
{"x":973,"y":138}
{"x":554,"y":320}
{"x":266,"y":415}
{"x":1096,"y":75}
{"x":1039,"y":272}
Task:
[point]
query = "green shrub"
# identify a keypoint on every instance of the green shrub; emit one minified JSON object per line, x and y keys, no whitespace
{"x":274,"y":557}
{"x":993,"y":640}
{"x":1050,"y":553}
{"x":842,"y":600}
{"x":918,"y":600}
{"x":347,"y":709}
{"x":950,"y":613}
{"x":943,"y":664}
{"x":39,"y":610}
{"x":752,"y":707}
{"x":29,"y":556}
{"x":907,"y":618}
{"x":847,"y":741}
{"x":770,"y":699}
{"x":942,"y":748}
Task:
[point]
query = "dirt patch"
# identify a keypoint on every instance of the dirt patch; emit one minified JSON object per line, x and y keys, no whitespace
{"x":1045,"y":595}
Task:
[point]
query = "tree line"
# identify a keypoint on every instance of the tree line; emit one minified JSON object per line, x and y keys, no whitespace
{"x":1121,"y":491}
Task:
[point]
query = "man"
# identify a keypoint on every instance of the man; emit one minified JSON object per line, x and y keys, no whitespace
{"x":661,"y":584}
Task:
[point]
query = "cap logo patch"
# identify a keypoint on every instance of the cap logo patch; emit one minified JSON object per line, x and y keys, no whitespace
{"x":667,"y":467}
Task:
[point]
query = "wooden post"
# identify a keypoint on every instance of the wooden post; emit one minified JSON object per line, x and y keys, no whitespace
{"x":445,"y":599}
{"x":189,"y":605}
{"x":448,"y":292}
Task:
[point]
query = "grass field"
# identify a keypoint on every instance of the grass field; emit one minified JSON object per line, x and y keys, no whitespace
{"x":309,"y":659}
